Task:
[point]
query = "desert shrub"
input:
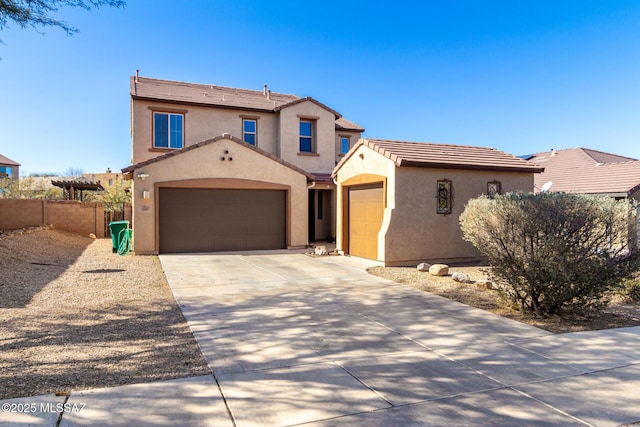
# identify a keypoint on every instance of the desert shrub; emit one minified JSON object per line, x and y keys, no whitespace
{"x":115,"y":197}
{"x":554,"y":251}
{"x":630,"y":289}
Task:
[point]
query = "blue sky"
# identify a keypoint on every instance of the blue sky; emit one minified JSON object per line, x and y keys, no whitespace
{"x":522,"y":76}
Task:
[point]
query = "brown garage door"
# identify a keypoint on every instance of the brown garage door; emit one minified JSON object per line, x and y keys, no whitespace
{"x":213,"y":220}
{"x":366,"y":209}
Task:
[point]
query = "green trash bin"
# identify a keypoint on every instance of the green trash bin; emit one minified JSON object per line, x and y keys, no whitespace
{"x":115,"y":228}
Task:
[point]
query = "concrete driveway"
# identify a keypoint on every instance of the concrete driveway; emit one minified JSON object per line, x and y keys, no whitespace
{"x":293,"y":340}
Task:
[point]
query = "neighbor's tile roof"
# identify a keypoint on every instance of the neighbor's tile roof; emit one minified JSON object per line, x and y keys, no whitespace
{"x":428,"y":155}
{"x":220,"y":96}
{"x":580,"y":170}
{"x":7,"y":161}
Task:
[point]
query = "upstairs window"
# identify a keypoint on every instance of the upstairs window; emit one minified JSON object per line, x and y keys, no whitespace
{"x":344,"y":145}
{"x":250,"y":131}
{"x":168,"y":130}
{"x":306,"y":136}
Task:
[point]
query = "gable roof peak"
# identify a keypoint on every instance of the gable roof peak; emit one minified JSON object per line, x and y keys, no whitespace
{"x":310,"y":99}
{"x":224,"y":136}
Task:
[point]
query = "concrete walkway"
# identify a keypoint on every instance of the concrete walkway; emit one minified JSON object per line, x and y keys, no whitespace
{"x":292,"y":339}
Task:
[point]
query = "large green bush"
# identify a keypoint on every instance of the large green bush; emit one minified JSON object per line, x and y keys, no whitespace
{"x":554,"y":251}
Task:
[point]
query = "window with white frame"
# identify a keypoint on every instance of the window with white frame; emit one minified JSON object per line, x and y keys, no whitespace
{"x":306,"y":136}
{"x":250,"y":131}
{"x":168,"y":130}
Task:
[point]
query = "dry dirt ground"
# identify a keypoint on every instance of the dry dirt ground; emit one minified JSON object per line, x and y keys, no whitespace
{"x":618,"y":314}
{"x":75,"y":316}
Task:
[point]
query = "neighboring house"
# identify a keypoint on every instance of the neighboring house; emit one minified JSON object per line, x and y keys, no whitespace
{"x":581,"y":170}
{"x":400,"y":202}
{"x":107,"y":179}
{"x":37,"y":187}
{"x":9,"y":168}
{"x":217,"y":168}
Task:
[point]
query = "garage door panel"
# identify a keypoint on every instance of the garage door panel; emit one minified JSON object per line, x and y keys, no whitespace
{"x":212,"y":220}
{"x":366,"y":210}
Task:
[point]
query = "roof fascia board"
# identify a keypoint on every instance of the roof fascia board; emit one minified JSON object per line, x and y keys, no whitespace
{"x":435,"y":165}
{"x":201,"y":104}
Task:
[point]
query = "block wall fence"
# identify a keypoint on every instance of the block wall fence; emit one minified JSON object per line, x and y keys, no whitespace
{"x":67,"y":215}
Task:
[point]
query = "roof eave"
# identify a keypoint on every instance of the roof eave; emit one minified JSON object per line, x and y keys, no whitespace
{"x":436,"y":165}
{"x":201,"y":104}
{"x":342,"y":128}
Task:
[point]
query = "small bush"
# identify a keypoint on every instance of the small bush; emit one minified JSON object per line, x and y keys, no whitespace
{"x":554,"y":251}
{"x":630,"y":289}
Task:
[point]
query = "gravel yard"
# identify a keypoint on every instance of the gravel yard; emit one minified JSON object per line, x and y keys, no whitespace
{"x":75,"y":316}
{"x":618,"y":314}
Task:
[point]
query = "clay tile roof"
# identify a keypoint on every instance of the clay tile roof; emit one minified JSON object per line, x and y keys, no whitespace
{"x":344,"y":124}
{"x":428,"y":155}
{"x":580,"y":170}
{"x":132,"y":168}
{"x":193,"y":93}
{"x":322,"y":177}
{"x":220,"y":96}
{"x":7,"y":161}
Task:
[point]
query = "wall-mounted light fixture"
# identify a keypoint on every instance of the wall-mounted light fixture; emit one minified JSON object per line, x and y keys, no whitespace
{"x":145,"y":195}
{"x":143,"y":176}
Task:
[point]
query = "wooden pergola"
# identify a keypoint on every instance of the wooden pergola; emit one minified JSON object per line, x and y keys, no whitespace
{"x":74,"y":189}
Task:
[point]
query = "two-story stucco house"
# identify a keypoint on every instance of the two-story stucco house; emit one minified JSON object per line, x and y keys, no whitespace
{"x":217,"y":168}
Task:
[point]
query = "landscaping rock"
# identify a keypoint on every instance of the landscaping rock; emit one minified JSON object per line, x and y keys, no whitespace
{"x":320,"y":250}
{"x":424,"y":266}
{"x":439,"y":270}
{"x":484,"y":284}
{"x":461,"y":277}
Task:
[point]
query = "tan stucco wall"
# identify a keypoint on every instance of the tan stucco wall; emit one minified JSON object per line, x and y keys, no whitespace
{"x":370,"y":163}
{"x":353,"y":138}
{"x":325,"y":130}
{"x":103,"y":179}
{"x":416,"y":233}
{"x":412,"y":231}
{"x":200,"y":123}
{"x":204,"y":163}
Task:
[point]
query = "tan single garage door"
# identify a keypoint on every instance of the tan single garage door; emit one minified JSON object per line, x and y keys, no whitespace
{"x":214,"y":220}
{"x":366,"y":209}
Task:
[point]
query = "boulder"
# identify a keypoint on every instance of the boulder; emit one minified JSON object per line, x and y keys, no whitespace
{"x":484,"y":284}
{"x":439,"y":270}
{"x":461,"y":277}
{"x":320,"y":250}
{"x":424,"y":266}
